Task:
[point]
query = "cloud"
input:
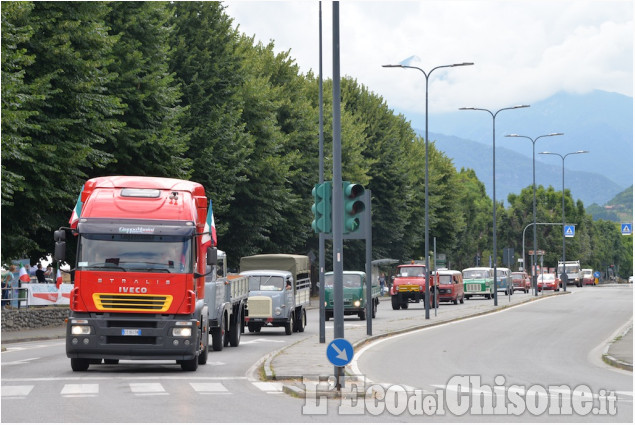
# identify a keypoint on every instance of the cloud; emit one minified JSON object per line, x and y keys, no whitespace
{"x":524,"y":51}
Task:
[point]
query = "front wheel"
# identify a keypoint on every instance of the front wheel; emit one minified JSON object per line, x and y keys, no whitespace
{"x":190,"y":365}
{"x":395,"y":302}
{"x":375,"y":302}
{"x":202,"y":357}
{"x":289,"y":326}
{"x":79,"y":365}
{"x":218,"y":335}
{"x":362,"y":315}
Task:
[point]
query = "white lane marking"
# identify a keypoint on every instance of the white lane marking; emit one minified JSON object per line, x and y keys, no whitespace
{"x":16,"y":391}
{"x":259,"y":340}
{"x":80,"y":390}
{"x":21,"y":361}
{"x":147,"y":388}
{"x":209,"y":388}
{"x":269,"y":387}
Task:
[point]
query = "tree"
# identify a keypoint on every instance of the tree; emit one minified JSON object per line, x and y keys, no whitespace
{"x":65,"y":122}
{"x":151,"y":142}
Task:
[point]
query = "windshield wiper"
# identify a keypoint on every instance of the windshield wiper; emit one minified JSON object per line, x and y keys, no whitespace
{"x":150,"y":269}
{"x":104,"y":266}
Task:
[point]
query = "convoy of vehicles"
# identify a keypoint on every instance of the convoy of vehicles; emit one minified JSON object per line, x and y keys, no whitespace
{"x":572,"y":268}
{"x":548,"y":281}
{"x":521,"y":281}
{"x":478,"y":281}
{"x":451,"y":286}
{"x":409,"y":286}
{"x":279,"y":291}
{"x":587,"y":277}
{"x":354,"y":288}
{"x":139,"y":281}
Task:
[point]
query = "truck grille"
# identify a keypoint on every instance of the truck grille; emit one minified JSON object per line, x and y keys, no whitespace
{"x":259,"y":307}
{"x":473,"y":287}
{"x":408,"y":288}
{"x":132,"y":302}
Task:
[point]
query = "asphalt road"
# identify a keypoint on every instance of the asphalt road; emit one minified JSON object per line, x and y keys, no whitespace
{"x":39,"y":386}
{"x":553,"y":342}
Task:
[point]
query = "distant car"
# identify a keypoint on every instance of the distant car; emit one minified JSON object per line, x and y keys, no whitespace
{"x":451,"y":286}
{"x":630,"y":279}
{"x":548,"y":281}
{"x":587,"y":277}
{"x":521,"y":281}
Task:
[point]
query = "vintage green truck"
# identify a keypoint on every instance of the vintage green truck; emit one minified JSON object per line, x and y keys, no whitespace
{"x":354,"y":287}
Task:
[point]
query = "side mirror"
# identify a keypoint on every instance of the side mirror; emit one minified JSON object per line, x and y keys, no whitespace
{"x":59,"y":235}
{"x":60,"y":250}
{"x":212,"y":256}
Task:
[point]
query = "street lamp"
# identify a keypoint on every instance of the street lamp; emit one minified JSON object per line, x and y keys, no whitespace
{"x":534,"y":277}
{"x":563,"y":276}
{"x":493,"y":114}
{"x":426,"y":301}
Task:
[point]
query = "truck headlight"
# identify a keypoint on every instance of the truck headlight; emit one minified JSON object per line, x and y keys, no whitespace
{"x":278,"y":311}
{"x":80,"y":330}
{"x":182,"y":332}
{"x":356,"y":303}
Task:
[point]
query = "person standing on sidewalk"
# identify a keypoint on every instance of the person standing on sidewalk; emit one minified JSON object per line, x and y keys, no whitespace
{"x":7,"y":277}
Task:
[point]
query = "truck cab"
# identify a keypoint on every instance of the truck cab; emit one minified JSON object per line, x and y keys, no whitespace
{"x":354,"y":289}
{"x":409,"y":286}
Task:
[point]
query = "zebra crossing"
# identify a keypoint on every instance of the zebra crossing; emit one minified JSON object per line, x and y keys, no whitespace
{"x":137,"y":389}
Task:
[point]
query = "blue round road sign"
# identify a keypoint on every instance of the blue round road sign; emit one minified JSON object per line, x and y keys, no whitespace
{"x":339,"y":352}
{"x":596,"y":274}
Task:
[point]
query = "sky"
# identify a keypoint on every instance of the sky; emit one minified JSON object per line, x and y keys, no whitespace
{"x":523,"y":51}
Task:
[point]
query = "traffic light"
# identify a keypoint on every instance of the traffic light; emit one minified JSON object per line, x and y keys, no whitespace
{"x":353,"y":200}
{"x":321,"y":208}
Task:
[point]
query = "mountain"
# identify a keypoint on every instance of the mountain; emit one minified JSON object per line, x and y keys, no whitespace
{"x":514,"y":171}
{"x":599,"y":122}
{"x":618,"y":209}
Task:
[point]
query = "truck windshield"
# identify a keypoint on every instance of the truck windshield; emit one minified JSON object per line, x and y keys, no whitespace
{"x":153,"y":253}
{"x":412,"y":271}
{"x":348,"y":281}
{"x":266,"y":283}
{"x":445,"y":279}
{"x":474,"y":274}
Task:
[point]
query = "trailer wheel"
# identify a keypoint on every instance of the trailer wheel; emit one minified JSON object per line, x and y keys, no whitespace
{"x":234,"y":332}
{"x":79,"y":365}
{"x":218,"y":335}
{"x":302,"y":321}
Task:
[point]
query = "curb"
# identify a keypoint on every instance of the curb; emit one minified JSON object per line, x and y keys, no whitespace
{"x":612,"y":361}
{"x":296,"y":391}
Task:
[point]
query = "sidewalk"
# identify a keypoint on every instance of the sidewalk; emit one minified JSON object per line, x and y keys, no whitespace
{"x":619,"y":353}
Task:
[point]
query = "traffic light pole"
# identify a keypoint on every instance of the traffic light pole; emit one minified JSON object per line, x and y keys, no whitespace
{"x":337,"y":202}
{"x":367,"y":228}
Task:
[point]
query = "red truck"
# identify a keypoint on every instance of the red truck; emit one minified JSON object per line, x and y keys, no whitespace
{"x":408,"y":286}
{"x":143,"y":250}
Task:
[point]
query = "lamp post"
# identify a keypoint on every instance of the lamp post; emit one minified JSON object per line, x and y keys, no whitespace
{"x":426,"y":301}
{"x":564,"y":268}
{"x":493,"y":114}
{"x":534,"y":277}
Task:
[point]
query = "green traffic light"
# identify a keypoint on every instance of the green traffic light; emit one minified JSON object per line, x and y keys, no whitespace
{"x":353,"y":205}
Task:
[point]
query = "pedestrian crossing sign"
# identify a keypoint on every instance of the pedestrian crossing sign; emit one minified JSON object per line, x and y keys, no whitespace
{"x":627,"y":229}
{"x":569,"y":230}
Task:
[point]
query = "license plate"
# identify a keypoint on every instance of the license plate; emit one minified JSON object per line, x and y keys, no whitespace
{"x":131,"y":332}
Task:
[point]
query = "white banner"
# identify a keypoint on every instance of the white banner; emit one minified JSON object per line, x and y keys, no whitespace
{"x":48,"y":293}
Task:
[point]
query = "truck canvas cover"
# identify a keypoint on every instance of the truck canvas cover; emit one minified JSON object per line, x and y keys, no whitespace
{"x":296,"y":264}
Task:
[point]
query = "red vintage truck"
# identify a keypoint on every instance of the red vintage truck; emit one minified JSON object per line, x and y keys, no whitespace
{"x":143,"y":251}
{"x":408,"y":286}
